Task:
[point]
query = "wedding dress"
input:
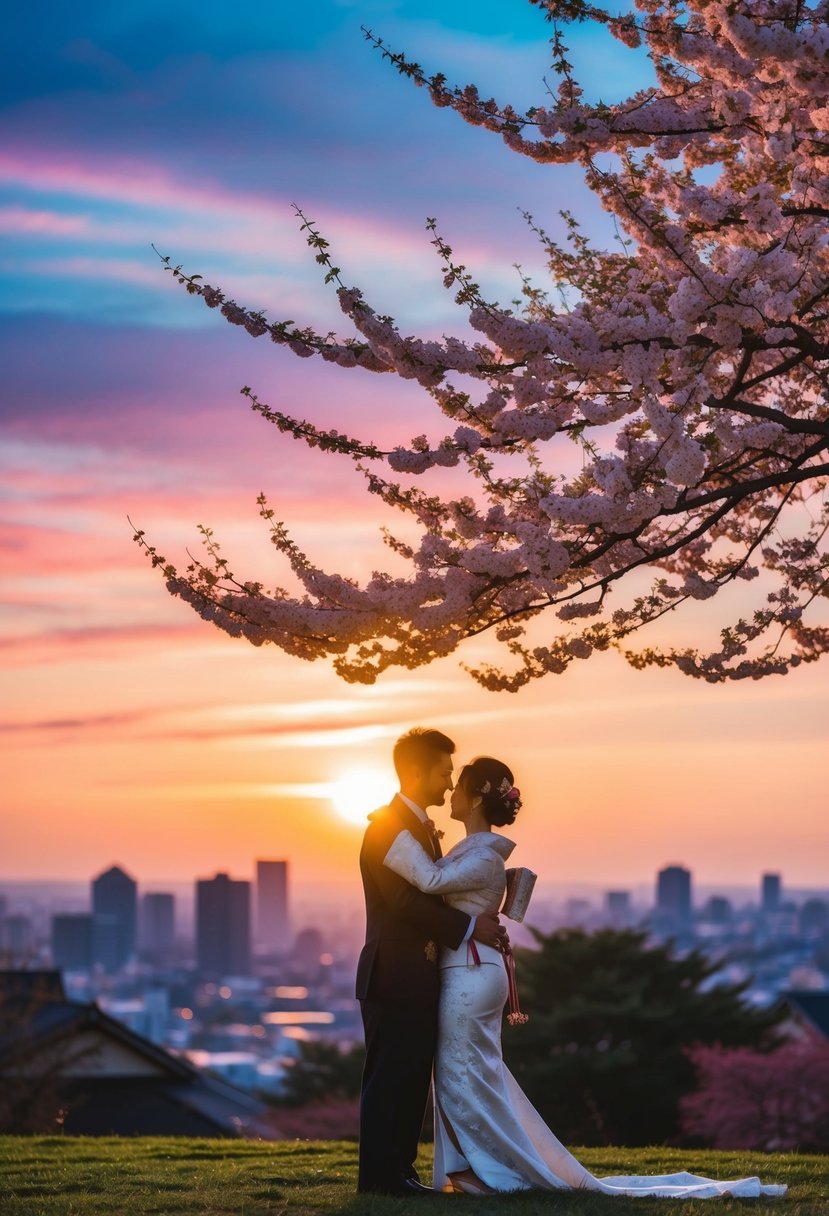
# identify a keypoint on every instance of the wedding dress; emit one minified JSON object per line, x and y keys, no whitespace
{"x":483,"y":1120}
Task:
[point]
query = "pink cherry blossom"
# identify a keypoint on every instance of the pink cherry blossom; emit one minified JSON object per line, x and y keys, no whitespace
{"x":692,"y":369}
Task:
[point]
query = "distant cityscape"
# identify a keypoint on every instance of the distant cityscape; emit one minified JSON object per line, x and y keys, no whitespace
{"x":237,"y":985}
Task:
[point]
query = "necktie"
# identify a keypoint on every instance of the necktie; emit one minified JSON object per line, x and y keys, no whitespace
{"x":433,"y":838}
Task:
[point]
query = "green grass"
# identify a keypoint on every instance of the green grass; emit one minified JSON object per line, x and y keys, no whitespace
{"x":69,"y":1176}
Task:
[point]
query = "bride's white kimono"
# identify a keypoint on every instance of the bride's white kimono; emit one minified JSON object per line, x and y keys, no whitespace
{"x":483,"y":1120}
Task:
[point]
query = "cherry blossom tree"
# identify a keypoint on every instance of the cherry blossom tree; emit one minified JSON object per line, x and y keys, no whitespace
{"x":776,"y":1101}
{"x":690,"y":363}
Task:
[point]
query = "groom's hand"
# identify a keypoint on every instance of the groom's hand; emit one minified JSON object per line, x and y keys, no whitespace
{"x":490,"y":932}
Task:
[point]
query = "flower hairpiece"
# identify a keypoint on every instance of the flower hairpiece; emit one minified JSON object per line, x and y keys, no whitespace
{"x":505,"y":790}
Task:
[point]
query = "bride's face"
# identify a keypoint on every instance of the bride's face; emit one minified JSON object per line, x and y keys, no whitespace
{"x":461,"y":804}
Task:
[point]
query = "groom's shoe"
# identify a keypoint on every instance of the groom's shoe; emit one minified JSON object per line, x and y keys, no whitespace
{"x":406,"y":1188}
{"x":411,"y":1188}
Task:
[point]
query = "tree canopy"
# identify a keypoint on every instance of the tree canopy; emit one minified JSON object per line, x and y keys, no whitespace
{"x":322,"y":1070}
{"x":604,"y":1056}
{"x":689,"y":364}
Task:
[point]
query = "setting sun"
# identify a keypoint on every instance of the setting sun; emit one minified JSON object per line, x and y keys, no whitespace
{"x":360,"y":791}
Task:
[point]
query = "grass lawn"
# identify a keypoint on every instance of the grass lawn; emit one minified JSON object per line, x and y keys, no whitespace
{"x":65,"y":1176}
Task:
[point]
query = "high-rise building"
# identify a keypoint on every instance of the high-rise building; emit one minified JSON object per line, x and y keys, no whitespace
{"x":72,"y":941}
{"x":114,"y":904}
{"x":308,"y":953}
{"x":577,"y":912}
{"x":158,"y":923}
{"x":273,"y":929}
{"x":223,"y":926}
{"x":771,"y":892}
{"x":17,"y":939}
{"x":719,"y":910}
{"x":617,"y":908}
{"x":673,"y":898}
{"x":813,"y":919}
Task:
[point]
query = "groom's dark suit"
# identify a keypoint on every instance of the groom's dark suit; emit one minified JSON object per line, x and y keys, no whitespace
{"x":398,"y":988}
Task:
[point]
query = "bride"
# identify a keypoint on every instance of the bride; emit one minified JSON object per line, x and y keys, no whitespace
{"x":488,"y":1137}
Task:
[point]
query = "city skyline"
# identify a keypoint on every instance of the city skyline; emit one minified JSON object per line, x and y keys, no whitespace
{"x":235,"y":925}
{"x":132,"y":730}
{"x":769,"y":891}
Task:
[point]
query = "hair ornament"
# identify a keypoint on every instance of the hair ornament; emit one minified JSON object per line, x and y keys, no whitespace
{"x":509,"y":793}
{"x":506,"y":790}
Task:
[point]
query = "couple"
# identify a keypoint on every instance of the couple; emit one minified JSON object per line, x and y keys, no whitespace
{"x":432,"y":985}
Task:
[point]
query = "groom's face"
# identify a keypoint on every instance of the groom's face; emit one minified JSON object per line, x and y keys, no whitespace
{"x":437,"y":781}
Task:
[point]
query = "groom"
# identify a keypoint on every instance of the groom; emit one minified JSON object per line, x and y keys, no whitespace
{"x":397,"y":975}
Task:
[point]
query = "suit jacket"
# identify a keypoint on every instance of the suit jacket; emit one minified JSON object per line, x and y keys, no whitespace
{"x":404,"y":927}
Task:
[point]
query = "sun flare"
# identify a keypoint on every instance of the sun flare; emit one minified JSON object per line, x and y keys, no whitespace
{"x":360,"y":791}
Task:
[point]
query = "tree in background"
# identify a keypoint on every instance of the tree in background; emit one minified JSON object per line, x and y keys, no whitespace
{"x":604,"y":1056}
{"x":690,"y":365}
{"x":778,"y":1101}
{"x":320,"y":1096}
{"x":38,"y":1054}
{"x":322,"y":1071}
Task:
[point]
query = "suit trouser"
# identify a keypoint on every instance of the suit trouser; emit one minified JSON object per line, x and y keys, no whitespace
{"x":400,"y":1050}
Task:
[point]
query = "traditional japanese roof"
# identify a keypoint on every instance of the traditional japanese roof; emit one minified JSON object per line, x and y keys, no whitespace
{"x":122,"y":1076}
{"x":811,"y":1006}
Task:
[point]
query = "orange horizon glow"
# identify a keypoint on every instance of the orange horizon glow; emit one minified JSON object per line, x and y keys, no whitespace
{"x":621,"y":772}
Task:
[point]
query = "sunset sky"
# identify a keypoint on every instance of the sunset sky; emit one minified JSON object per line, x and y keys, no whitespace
{"x":134,"y":732}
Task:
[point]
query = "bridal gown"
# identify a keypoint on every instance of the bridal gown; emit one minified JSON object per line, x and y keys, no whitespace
{"x":483,"y":1120}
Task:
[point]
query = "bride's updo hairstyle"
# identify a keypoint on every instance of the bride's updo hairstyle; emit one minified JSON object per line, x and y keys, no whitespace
{"x":492,"y":781}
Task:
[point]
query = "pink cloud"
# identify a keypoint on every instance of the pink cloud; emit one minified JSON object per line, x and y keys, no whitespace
{"x":26,"y":548}
{"x":43,"y":223}
{"x":65,"y":725}
{"x":108,"y":642}
{"x":120,"y":270}
{"x":127,"y":180}
{"x":246,"y":221}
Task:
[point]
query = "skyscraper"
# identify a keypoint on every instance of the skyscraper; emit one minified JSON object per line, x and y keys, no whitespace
{"x":223,"y":926}
{"x":273,"y":930}
{"x":770,"y":900}
{"x":158,"y":923}
{"x":617,"y":908}
{"x":114,"y":903}
{"x":673,"y":898}
{"x":16,"y":940}
{"x":72,"y":941}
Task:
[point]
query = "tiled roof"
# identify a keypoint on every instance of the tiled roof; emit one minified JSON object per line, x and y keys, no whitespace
{"x":40,"y":1018}
{"x":812,"y":1005}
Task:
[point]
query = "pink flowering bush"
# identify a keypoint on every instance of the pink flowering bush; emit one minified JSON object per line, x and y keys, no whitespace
{"x":776,"y":1101}
{"x":333,"y":1118}
{"x":691,"y":365}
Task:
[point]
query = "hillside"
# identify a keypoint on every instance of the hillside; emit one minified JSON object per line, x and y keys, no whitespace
{"x":65,"y":1176}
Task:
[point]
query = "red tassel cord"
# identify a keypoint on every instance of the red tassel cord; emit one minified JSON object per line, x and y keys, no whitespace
{"x":515,"y":1017}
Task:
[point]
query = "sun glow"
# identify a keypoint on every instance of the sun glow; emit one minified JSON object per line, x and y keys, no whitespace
{"x":359,"y":791}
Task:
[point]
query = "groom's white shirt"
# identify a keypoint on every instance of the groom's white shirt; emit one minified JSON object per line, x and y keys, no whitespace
{"x":424,"y":818}
{"x":414,"y":808}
